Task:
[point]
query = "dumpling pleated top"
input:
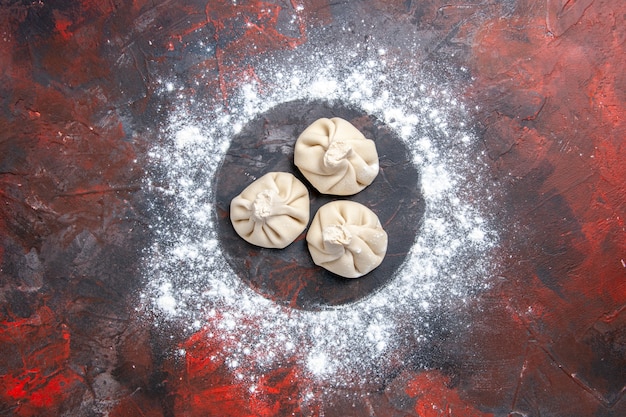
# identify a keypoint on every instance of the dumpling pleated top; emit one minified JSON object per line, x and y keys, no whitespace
{"x":272,"y":211}
{"x":335,"y":157}
{"x":347,"y":239}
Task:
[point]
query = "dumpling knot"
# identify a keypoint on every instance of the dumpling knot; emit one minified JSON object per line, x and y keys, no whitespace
{"x":337,"y":151}
{"x":262,"y":205}
{"x":337,"y":234}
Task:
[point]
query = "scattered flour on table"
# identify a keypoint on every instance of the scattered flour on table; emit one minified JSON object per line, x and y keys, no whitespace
{"x":190,"y":282}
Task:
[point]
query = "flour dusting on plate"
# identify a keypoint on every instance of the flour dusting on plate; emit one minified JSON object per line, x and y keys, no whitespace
{"x":190,"y":282}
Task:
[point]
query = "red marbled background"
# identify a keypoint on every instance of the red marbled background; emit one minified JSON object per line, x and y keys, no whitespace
{"x":78,"y":97}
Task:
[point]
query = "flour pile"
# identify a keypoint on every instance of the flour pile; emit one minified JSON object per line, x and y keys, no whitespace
{"x":189,"y":281}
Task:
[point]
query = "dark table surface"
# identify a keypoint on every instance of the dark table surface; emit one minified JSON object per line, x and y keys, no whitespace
{"x":125,"y":127}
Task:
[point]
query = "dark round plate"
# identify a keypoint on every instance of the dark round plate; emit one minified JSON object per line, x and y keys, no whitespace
{"x":289,"y":276}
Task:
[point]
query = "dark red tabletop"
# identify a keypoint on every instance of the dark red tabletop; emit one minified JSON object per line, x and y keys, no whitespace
{"x":127,"y":127}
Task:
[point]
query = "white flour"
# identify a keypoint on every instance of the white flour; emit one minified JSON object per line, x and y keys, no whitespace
{"x":189,"y":281}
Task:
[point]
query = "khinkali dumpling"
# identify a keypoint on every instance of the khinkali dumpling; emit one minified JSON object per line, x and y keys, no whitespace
{"x":272,"y":211}
{"x":335,"y":157}
{"x":347,"y":239}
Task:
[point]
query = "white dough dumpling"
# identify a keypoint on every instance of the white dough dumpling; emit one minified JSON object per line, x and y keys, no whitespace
{"x":272,"y":211}
{"x":347,"y":239}
{"x":335,"y":157}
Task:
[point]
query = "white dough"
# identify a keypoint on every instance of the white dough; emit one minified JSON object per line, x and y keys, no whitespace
{"x":272,"y":211}
{"x":347,"y":239}
{"x":335,"y":157}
